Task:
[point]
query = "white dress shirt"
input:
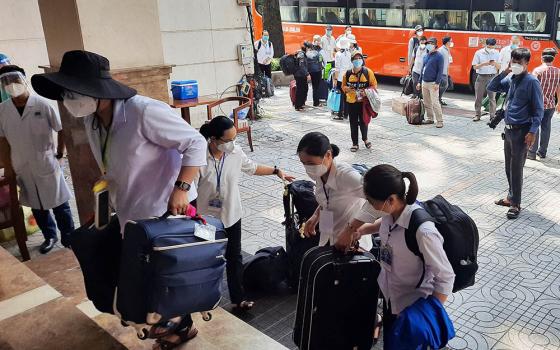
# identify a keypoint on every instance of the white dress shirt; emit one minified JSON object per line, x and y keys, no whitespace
{"x":419,"y":60}
{"x":482,"y":56}
{"x":505,"y":57}
{"x":207,"y":180}
{"x":148,"y":144}
{"x":342,"y":63}
{"x":398,"y":281}
{"x":265,"y":53}
{"x":346,"y":200}
{"x":328,"y":43}
{"x":32,"y":151}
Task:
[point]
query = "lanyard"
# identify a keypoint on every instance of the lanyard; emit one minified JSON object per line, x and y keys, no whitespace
{"x":326,"y":195}
{"x":219,"y":168}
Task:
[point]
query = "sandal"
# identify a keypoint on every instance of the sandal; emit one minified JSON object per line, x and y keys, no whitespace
{"x":184,"y":336}
{"x":368,"y":144}
{"x":513,"y":213}
{"x":503,"y":203}
{"x":354,"y":149}
{"x":168,"y":328}
{"x":377,"y":329}
{"x":245,"y":305}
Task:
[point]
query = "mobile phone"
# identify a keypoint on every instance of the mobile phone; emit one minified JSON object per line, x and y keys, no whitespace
{"x":492,"y":61}
{"x":102,"y":212}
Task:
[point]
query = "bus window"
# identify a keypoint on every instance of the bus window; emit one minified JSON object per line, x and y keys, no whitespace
{"x":375,"y":13}
{"x":328,"y":12}
{"x":438,"y":14}
{"x":518,"y":17}
{"x":259,"y":6}
{"x":289,"y":11}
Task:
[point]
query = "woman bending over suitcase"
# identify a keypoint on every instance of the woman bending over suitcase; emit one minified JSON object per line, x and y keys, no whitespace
{"x":342,"y":205}
{"x":219,"y":196}
{"x":401,"y":280}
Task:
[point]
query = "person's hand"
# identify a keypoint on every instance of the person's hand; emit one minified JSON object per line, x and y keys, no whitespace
{"x":529,"y":139}
{"x":418,"y":86}
{"x":284,"y":176}
{"x":508,"y":69}
{"x":178,"y":201}
{"x":310,"y":226}
{"x":345,"y":240}
{"x":436,"y":87}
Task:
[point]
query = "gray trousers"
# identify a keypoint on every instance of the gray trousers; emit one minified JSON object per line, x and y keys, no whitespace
{"x":515,"y":152}
{"x":542,"y":137}
{"x":480,"y":92}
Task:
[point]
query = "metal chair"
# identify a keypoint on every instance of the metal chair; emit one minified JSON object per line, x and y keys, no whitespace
{"x":240,"y":125}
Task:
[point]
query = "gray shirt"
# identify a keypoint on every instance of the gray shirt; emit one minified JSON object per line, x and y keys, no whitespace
{"x":445,"y":53}
{"x":419,"y":60}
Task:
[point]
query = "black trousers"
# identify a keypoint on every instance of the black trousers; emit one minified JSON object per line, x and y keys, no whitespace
{"x":356,"y":121}
{"x":234,"y":264}
{"x":266,"y":69}
{"x":515,"y":153}
{"x":343,"y":110}
{"x":316,"y":78}
{"x":301,"y":91}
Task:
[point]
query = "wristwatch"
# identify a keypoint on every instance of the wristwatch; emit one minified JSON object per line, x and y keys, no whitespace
{"x":275,"y":171}
{"x":183,"y":186}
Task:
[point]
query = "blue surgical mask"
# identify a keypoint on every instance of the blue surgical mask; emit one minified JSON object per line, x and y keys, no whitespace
{"x":357,"y":63}
{"x":329,"y":32}
{"x":265,"y":37}
{"x":514,"y":46}
{"x":430,"y":47}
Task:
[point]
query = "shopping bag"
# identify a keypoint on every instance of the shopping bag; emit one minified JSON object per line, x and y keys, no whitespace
{"x":333,"y":102}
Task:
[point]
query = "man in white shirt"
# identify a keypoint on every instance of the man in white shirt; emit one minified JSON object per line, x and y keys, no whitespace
{"x":328,"y":43}
{"x":414,"y":42}
{"x":485,"y":62}
{"x":505,"y":52}
{"x":265,"y":53}
{"x":149,"y":156}
{"x":418,"y":64}
{"x":342,"y":63}
{"x":347,"y":32}
{"x":446,"y":53}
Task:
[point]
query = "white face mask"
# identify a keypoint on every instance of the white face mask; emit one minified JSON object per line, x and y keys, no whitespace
{"x":16,"y":89}
{"x":517,"y":69}
{"x":79,"y":105}
{"x":227,"y":147}
{"x":316,"y":171}
{"x":420,"y":33}
{"x":451,"y":44}
{"x":422,"y":46}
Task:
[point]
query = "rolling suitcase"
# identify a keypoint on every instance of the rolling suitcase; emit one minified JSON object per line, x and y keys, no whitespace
{"x":166,"y":271}
{"x":414,"y":110}
{"x":336,"y":304}
{"x":398,"y":105}
{"x":293,"y":92}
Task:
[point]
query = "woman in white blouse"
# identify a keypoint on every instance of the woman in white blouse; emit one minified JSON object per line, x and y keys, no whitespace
{"x":339,"y":192}
{"x":218,"y":194}
{"x":401,"y":270}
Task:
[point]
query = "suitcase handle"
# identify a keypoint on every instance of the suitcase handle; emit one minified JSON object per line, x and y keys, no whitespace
{"x":197,"y":217}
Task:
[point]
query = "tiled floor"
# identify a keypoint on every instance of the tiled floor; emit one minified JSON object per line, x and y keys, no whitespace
{"x":515,"y":303}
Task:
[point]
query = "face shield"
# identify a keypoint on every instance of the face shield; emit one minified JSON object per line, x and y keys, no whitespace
{"x":14,"y":84}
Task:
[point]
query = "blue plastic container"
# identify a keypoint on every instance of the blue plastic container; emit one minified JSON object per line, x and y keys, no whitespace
{"x":184,"y":89}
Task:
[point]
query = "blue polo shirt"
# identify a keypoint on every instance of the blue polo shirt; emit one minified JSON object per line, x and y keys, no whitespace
{"x":525,"y":102}
{"x":433,"y":67}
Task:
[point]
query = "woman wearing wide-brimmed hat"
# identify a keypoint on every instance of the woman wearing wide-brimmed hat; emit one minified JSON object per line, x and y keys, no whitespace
{"x":148,"y":155}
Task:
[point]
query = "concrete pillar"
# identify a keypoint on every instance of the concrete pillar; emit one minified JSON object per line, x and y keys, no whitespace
{"x":127,"y":32}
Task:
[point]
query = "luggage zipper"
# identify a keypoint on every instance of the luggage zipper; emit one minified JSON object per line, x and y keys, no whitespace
{"x":178,"y":246}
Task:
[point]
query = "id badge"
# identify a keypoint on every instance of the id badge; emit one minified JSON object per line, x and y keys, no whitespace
{"x":206,"y":232}
{"x":326,"y":222}
{"x":386,"y":256}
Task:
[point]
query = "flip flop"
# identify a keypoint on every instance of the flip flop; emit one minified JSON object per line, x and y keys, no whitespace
{"x":502,"y":202}
{"x":513,"y":213}
{"x":368,"y":144}
{"x":354,"y":149}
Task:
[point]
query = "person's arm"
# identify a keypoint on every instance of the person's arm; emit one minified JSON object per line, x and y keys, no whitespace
{"x":272,"y":51}
{"x":372,"y":79}
{"x":267,"y":170}
{"x":537,"y":104}
{"x":500,"y":83}
{"x":558,"y":98}
{"x":410,"y":49}
{"x":430,"y":245}
{"x":439,"y":73}
{"x":369,"y":229}
{"x":476,"y":62}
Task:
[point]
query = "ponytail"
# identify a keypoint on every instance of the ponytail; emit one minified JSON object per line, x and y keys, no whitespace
{"x":412,"y":192}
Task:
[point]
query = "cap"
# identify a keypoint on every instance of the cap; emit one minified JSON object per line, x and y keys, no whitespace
{"x":432,"y":40}
{"x":445,"y":40}
{"x":491,"y":41}
{"x":418,"y":27}
{"x":357,"y":54}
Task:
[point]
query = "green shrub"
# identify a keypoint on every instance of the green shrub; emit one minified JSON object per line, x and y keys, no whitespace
{"x":275,"y":65}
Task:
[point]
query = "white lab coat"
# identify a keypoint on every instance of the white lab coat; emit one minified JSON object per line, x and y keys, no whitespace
{"x":38,"y":173}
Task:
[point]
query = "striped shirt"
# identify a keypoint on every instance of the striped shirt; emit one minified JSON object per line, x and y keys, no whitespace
{"x":549,"y":77}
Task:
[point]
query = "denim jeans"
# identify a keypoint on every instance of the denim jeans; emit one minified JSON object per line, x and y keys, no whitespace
{"x":47,"y":224}
{"x":515,"y":152}
{"x":542,"y":137}
{"x":443,"y":86}
{"x":415,"y":81}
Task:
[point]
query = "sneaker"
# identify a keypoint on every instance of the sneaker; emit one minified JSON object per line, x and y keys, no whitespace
{"x":47,"y":245}
{"x":442,"y":102}
{"x":541,"y":156}
{"x":531,"y":156}
{"x":476,"y":118}
{"x":427,"y":121}
{"x":439,"y":125}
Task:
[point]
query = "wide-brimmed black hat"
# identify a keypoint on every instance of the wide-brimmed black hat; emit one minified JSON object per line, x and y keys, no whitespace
{"x":84,"y":72}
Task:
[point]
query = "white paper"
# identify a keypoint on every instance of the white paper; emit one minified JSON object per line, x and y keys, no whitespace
{"x":206,"y":232}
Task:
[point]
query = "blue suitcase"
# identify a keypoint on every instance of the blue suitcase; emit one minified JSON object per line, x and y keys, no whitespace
{"x":166,"y":271}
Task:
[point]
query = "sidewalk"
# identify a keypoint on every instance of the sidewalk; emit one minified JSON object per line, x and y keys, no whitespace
{"x":515,"y":303}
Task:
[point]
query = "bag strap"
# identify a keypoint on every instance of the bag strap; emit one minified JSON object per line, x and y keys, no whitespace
{"x":417,"y":218}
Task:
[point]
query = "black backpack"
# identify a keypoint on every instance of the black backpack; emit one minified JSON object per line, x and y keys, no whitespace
{"x":460,"y":238}
{"x":364,"y":71}
{"x":288,"y":64}
{"x":408,"y":86}
{"x":266,"y":270}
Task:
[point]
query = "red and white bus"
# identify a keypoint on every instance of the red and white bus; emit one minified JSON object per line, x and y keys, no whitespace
{"x":384,"y":27}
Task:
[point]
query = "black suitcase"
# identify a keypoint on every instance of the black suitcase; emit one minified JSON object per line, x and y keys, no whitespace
{"x":337,"y":304}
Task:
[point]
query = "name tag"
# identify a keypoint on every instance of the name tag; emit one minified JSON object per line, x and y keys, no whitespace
{"x":386,"y":256}
{"x":206,"y":232}
{"x":326,"y":222}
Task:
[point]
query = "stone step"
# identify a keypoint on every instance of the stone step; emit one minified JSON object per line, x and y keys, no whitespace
{"x":61,"y":270}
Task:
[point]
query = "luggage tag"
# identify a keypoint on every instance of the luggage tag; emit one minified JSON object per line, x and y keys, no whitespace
{"x":206,"y":232}
{"x":102,"y":210}
{"x":326,"y":222}
{"x":386,"y":256}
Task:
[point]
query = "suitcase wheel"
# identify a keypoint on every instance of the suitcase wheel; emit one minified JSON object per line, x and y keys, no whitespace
{"x":143,"y":335}
{"x":206,"y":316}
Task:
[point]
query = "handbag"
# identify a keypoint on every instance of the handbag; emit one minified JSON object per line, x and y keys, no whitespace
{"x":367,"y":112}
{"x":333,"y":101}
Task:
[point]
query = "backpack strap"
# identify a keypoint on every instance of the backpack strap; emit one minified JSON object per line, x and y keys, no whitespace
{"x":418,"y":217}
{"x":259,"y":46}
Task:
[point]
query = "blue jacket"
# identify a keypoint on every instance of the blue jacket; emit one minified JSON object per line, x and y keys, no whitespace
{"x":422,"y":324}
{"x":525,"y":102}
{"x":433,"y":67}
